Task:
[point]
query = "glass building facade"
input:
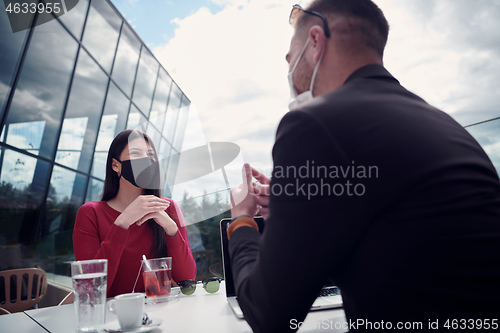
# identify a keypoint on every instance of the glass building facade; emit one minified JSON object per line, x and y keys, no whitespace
{"x":67,"y":87}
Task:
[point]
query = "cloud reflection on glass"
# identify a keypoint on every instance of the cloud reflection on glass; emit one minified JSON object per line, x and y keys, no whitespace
{"x":145,"y":81}
{"x":101,"y":34}
{"x":126,"y":60}
{"x":43,"y":83}
{"x":112,"y":123}
{"x":82,"y":114}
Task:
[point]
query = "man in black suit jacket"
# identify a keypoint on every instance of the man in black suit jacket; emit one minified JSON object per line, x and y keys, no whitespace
{"x":372,"y":188}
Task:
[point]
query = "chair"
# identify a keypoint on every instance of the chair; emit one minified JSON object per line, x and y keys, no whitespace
{"x":68,"y":299}
{"x":3,"y":311}
{"x":27,"y":285}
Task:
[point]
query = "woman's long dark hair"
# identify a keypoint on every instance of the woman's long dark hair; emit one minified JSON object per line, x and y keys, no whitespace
{"x":112,"y":184}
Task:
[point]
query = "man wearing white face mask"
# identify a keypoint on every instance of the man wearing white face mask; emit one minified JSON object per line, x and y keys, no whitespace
{"x":372,"y":188}
{"x":297,"y":99}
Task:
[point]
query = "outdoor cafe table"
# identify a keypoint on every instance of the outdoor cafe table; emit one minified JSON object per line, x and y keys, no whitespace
{"x":200,"y":312}
{"x":19,"y":323}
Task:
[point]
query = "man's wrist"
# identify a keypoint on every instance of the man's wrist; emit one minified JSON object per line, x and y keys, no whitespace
{"x":237,"y":217}
{"x":241,"y":221}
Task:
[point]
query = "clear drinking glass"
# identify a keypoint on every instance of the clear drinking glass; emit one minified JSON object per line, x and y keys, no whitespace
{"x":157,"y":274}
{"x":89,"y":291}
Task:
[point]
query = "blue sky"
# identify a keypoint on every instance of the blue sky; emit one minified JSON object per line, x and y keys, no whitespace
{"x":151,"y":19}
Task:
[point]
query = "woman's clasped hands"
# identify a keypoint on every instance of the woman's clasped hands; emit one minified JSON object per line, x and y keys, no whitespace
{"x":146,"y":207}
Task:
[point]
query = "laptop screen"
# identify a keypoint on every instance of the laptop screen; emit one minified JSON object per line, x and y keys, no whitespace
{"x":226,"y":262}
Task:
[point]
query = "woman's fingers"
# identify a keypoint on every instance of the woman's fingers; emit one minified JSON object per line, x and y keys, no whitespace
{"x":139,"y":209}
{"x":153,"y":203}
{"x":155,"y":199}
{"x":145,"y":218}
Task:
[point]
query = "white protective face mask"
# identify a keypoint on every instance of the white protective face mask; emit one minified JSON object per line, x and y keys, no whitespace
{"x":295,"y":99}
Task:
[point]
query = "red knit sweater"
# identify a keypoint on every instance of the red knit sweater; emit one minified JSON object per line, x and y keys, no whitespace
{"x":95,"y":236}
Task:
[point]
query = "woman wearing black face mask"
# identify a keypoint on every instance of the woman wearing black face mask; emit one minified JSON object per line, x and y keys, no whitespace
{"x":115,"y":228}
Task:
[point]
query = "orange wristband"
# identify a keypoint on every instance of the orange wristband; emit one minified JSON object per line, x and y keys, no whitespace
{"x":241,"y":222}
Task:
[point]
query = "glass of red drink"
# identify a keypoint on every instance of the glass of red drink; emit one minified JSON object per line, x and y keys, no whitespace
{"x":157,"y":275}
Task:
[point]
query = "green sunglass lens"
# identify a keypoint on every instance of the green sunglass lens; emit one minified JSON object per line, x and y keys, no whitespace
{"x":212,"y":286}
{"x":188,"y":288}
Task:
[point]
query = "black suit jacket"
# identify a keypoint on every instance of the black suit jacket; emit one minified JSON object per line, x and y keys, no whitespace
{"x":391,"y":199}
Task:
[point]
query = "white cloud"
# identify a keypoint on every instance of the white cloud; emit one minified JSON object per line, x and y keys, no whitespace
{"x":448,"y":52}
{"x":231,"y":64}
{"x":229,"y":2}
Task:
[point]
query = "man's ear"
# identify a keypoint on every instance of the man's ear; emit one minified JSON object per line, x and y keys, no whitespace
{"x":317,"y":37}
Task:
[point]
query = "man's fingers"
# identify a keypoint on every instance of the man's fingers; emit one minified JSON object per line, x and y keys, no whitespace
{"x":247,"y":175}
{"x":263,"y":179}
{"x":261,"y":189}
{"x":264,"y":212}
{"x":262,"y":200}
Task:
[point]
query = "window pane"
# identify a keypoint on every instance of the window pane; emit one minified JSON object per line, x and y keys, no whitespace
{"x":154,"y":134}
{"x":11,"y":47}
{"x":164,"y":157}
{"x":172,"y":112}
{"x":42,"y":88}
{"x":65,"y":197}
{"x":17,"y":169}
{"x":75,"y":15}
{"x":22,"y":188}
{"x":94,"y":190}
{"x":126,"y":60}
{"x":157,"y":120}
{"x":172,"y":168}
{"x":145,"y":82}
{"x":112,"y":123}
{"x":159,"y":107}
{"x":181,"y":123}
{"x":136,"y":119}
{"x":164,"y":150}
{"x":26,"y":135}
{"x":101,"y":33}
{"x":83,"y":113}
{"x":71,"y":140}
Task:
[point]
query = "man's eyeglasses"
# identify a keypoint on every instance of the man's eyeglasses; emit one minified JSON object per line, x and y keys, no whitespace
{"x":297,"y":11}
{"x":211,"y":285}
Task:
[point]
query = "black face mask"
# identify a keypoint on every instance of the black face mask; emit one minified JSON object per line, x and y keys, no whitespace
{"x":142,"y":172}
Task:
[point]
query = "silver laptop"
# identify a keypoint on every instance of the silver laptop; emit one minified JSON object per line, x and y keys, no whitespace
{"x":329,"y":297}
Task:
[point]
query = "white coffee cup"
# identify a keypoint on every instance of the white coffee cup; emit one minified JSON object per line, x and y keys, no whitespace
{"x":129,"y":308}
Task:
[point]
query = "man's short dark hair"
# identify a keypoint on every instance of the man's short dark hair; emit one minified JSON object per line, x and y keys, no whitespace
{"x":369,"y":22}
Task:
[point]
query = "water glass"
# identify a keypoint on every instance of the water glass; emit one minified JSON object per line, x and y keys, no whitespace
{"x":89,"y":291}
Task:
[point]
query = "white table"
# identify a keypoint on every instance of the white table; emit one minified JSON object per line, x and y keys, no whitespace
{"x":19,"y":322}
{"x":200,"y":312}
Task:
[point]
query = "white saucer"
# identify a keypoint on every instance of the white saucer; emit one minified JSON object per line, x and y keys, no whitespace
{"x":114,"y":327}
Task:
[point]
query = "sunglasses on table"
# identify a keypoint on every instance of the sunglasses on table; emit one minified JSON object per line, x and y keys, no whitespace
{"x":211,"y":285}
{"x":297,"y":11}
